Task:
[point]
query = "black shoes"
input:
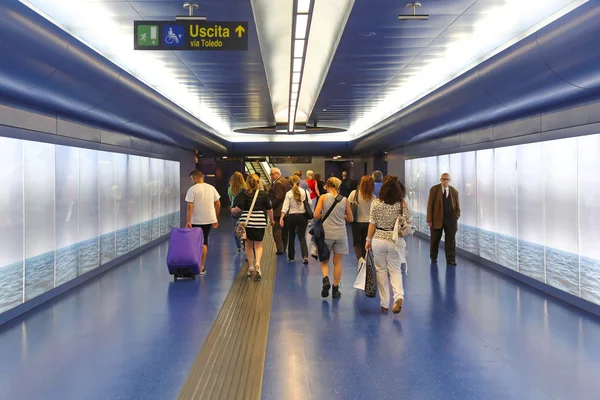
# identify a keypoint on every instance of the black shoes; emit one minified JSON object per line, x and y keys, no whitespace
{"x":336,"y":294}
{"x":326,"y":287}
{"x":280,"y":253}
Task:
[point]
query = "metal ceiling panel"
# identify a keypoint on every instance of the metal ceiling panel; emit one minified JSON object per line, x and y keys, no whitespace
{"x":419,"y":50}
{"x":518,"y":81}
{"x":190,"y":79}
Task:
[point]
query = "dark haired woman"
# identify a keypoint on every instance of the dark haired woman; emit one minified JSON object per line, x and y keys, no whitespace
{"x":387,"y":253}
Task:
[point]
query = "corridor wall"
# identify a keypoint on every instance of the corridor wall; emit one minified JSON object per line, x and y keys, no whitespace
{"x":532,"y":208}
{"x":65,"y":211}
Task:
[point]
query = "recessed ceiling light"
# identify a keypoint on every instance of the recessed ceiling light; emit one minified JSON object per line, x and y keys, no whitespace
{"x":366,"y":34}
{"x":324,"y":109}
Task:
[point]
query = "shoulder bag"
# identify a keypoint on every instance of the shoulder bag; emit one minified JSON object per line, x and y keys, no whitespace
{"x":240,"y":227}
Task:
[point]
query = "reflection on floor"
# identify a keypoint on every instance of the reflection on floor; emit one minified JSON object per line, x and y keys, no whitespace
{"x":464,"y":333}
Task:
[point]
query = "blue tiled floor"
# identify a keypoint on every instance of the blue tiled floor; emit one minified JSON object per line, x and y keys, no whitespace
{"x":130,"y":333}
{"x":464,"y":333}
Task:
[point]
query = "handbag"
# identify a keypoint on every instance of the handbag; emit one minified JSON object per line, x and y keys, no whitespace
{"x":354,"y":206}
{"x":370,"y":279}
{"x":403,"y":226}
{"x":307,"y":208}
{"x":240,"y":227}
{"x":360,"y":281}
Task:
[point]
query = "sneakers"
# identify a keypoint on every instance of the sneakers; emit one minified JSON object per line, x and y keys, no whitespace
{"x":326,"y":287}
{"x":203,"y":272}
{"x":397,"y":306}
{"x":238,"y":251}
{"x":336,"y":294}
{"x":257,"y":274}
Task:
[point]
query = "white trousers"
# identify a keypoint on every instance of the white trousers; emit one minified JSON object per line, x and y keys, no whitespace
{"x":388,"y":260}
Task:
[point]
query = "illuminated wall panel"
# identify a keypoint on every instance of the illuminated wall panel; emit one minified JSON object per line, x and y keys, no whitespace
{"x":65,"y":211}
{"x":533,"y":208}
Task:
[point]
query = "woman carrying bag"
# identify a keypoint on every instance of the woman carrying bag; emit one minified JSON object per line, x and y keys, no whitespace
{"x":236,"y":185}
{"x":298,"y":211}
{"x":255,"y":207}
{"x":387,"y":253}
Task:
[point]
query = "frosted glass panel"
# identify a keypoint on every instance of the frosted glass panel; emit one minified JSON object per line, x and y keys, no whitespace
{"x":39,"y":218}
{"x":107,"y":194}
{"x":423,"y":195}
{"x":64,"y":211}
{"x":67,"y":214}
{"x":530,"y":204}
{"x":468,"y":202}
{"x":505,"y":172}
{"x":560,"y":214}
{"x":11,"y":223}
{"x":89,"y":248}
{"x":146,"y":234}
{"x":589,"y":216}
{"x":120,"y":194}
{"x":134,"y":200}
{"x":456,"y":174}
{"x":155,"y":177}
{"x":486,"y":205}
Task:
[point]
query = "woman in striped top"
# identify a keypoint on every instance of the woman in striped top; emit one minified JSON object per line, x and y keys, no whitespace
{"x":257,"y":222}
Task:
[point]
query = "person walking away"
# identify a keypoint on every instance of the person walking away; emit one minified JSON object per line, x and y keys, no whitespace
{"x":336,"y":237}
{"x":362,"y":197}
{"x":378,"y":178}
{"x":346,"y":185}
{"x":319,"y":185}
{"x":236,"y":185}
{"x":387,"y":254}
{"x":203,"y":208}
{"x":302,"y":184}
{"x":443,"y":212}
{"x":277,"y":195}
{"x":293,"y":215}
{"x":256,"y":223}
{"x":312,"y":186}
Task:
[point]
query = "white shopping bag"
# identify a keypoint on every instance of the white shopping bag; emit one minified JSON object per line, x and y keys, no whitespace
{"x":361,"y":279}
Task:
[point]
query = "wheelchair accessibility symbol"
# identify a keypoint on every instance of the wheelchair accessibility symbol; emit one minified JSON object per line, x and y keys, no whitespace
{"x":173,"y":35}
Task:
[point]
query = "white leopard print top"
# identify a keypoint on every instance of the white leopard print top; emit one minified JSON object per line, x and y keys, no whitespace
{"x":384,"y":216}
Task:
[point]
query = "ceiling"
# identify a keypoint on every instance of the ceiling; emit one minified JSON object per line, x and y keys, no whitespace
{"x":376,"y":70}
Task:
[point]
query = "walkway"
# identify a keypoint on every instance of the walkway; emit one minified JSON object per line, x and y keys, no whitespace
{"x":464,"y":333}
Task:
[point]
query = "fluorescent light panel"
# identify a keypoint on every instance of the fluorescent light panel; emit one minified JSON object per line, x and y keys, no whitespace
{"x":299,"y":48}
{"x":297,"y":65}
{"x":303,"y":6}
{"x":301,"y":25}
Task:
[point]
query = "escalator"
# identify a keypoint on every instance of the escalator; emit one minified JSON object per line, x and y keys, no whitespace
{"x":260,"y":167}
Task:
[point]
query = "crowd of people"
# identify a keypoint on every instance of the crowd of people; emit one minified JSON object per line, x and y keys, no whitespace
{"x":291,"y":205}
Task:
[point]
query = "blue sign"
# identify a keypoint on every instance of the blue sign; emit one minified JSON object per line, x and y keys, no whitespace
{"x":173,"y":35}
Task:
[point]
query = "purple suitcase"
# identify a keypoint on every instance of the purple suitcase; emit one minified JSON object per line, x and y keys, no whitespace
{"x":185,"y":252}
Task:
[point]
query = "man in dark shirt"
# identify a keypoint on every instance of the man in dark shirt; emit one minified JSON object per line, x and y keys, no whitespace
{"x":346,"y":186}
{"x":279,"y":188}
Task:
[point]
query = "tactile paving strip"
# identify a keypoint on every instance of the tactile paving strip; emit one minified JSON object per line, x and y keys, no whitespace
{"x":231,"y":362}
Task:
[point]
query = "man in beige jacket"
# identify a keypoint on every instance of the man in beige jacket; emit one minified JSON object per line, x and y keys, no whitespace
{"x":443,"y":212}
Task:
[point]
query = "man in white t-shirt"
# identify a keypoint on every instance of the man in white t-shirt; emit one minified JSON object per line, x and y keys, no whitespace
{"x":203,"y":208}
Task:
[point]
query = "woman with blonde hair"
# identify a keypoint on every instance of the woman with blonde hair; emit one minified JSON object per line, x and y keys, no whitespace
{"x":256,"y":222}
{"x":362,"y":199}
{"x":312,"y":185}
{"x":334,"y":210}
{"x":294,"y":209}
{"x":236,"y":185}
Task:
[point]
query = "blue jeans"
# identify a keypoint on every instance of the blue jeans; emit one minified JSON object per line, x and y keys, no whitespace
{"x":237,"y":239}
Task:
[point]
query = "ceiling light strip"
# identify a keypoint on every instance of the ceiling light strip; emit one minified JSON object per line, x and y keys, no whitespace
{"x":303,"y":10}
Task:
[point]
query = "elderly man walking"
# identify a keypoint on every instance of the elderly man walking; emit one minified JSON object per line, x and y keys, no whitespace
{"x":279,"y":188}
{"x":443,"y":212}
